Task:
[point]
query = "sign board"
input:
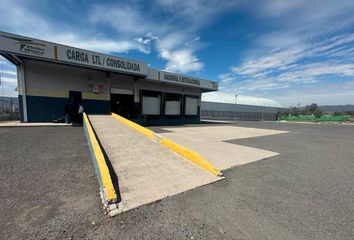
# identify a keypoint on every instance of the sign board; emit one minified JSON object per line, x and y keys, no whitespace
{"x":97,"y":89}
{"x":179,"y":79}
{"x":38,"y":49}
{"x":23,"y":46}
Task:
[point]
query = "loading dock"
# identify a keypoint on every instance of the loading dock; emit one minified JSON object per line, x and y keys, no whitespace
{"x":148,"y":171}
{"x":47,"y":73}
{"x":122,"y":102}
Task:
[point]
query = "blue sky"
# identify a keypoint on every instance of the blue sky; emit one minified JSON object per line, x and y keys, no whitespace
{"x":290,"y":51}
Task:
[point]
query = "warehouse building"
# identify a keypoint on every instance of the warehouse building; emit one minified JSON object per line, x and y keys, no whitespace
{"x":51,"y":75}
{"x":224,"y":106}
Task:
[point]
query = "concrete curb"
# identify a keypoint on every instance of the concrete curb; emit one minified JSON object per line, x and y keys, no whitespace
{"x":173,"y":146}
{"x":27,"y":125}
{"x":107,"y":191}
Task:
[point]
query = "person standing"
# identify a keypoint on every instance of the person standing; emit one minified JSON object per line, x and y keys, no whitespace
{"x":67,"y":111}
{"x":80,"y":113}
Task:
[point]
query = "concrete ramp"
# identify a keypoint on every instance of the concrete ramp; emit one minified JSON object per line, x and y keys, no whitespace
{"x":213,"y":142}
{"x":146,"y":170}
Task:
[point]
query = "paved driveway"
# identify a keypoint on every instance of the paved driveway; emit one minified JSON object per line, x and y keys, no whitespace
{"x":212,"y":143}
{"x":304,"y":192}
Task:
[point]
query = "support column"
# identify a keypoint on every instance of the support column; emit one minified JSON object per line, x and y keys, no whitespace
{"x":137,"y":98}
{"x":136,"y":91}
{"x":109,"y":89}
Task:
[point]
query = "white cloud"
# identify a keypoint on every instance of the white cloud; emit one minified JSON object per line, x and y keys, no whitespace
{"x":125,"y":18}
{"x":274,"y":59}
{"x":96,"y":44}
{"x":9,"y":72}
{"x":167,"y":26}
{"x":179,"y":53}
{"x":300,"y":63}
{"x":16,"y":17}
{"x":180,"y":60}
{"x":312,"y":43}
{"x":194,"y":14}
{"x":175,"y":39}
{"x":173,"y":36}
{"x":172,"y":41}
{"x":12,"y":19}
{"x":8,"y":80}
{"x":335,"y":93}
{"x":226,"y":78}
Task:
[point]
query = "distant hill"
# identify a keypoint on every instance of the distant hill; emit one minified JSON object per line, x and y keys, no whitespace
{"x":337,"y":108}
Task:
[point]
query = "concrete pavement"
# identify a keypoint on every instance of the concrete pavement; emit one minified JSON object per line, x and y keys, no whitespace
{"x":211,"y":142}
{"x":304,"y":192}
{"x":146,"y":170}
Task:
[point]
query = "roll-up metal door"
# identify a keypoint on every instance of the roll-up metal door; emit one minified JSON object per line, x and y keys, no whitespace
{"x":151,"y":105}
{"x":173,"y":108}
{"x":191,"y":106}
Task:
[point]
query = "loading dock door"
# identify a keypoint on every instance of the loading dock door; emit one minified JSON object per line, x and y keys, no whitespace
{"x":173,"y":108}
{"x":122,"y":102}
{"x":172,"y":104}
{"x":191,"y":106}
{"x":151,"y":105}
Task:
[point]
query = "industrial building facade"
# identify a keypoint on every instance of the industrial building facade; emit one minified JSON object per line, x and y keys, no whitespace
{"x":223,"y":106}
{"x":50,"y":75}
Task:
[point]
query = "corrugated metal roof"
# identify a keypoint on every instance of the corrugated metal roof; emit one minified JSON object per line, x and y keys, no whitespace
{"x":220,"y":97}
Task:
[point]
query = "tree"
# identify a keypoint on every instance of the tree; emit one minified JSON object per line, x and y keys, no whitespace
{"x":317,"y":113}
{"x":294,"y":111}
{"x":313,"y":108}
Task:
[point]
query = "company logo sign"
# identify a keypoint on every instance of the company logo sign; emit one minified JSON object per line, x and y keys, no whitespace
{"x":59,"y":53}
{"x":28,"y":46}
{"x":85,"y":57}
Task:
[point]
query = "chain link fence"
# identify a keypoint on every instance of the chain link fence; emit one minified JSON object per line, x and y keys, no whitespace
{"x":9,"y":105}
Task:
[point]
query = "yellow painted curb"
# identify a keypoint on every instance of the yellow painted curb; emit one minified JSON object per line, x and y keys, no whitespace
{"x":137,"y":127}
{"x":103,"y":171}
{"x":191,"y":155}
{"x":181,"y":150}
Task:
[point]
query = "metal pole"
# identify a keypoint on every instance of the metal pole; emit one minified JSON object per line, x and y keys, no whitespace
{"x":11,"y":104}
{"x":235,"y":107}
{"x":2,"y":85}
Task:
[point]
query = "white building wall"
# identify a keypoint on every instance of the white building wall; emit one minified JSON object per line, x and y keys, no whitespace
{"x":54,"y":80}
